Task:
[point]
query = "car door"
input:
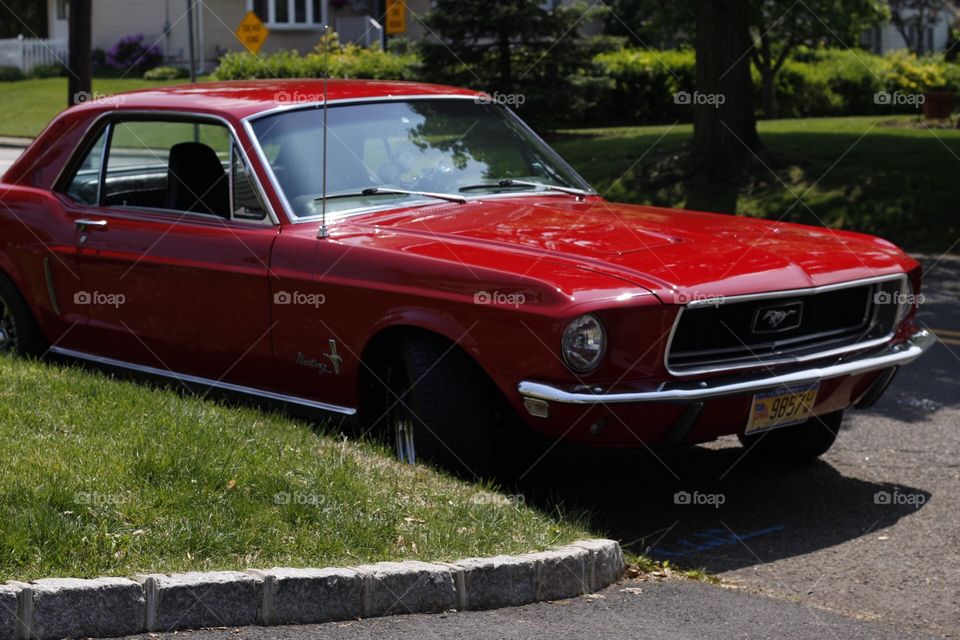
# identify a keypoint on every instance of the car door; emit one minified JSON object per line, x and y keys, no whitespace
{"x":174,"y":253}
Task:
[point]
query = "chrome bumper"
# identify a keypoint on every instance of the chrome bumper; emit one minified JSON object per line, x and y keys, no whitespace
{"x":893,"y":355}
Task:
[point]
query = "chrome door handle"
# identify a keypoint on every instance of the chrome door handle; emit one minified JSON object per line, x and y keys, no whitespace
{"x":84,"y":223}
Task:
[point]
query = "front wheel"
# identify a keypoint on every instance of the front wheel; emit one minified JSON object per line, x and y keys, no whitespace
{"x":434,"y":404}
{"x":797,"y":443}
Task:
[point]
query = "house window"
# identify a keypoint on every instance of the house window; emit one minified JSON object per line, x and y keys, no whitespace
{"x":62,"y":6}
{"x":290,"y":14}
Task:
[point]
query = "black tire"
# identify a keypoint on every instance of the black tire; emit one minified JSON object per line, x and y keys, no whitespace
{"x":802,"y":442}
{"x":446,"y":413}
{"x":19,"y":332}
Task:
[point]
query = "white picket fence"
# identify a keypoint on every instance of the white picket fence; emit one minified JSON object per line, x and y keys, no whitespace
{"x":27,"y":53}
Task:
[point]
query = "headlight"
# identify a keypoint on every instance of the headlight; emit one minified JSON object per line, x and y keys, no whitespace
{"x":584,"y":343}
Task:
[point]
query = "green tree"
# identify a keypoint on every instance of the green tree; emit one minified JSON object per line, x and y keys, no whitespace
{"x":513,"y":47}
{"x":779,"y":26}
{"x":660,"y":24}
{"x":26,"y":17}
{"x":724,"y":129}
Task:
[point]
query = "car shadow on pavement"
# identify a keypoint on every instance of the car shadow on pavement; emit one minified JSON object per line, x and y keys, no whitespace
{"x":712,"y":507}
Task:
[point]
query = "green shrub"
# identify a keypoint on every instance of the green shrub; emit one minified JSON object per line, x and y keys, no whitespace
{"x":910,"y":74}
{"x":348,"y":61}
{"x":166,"y":73}
{"x":48,"y":71}
{"x":644,"y":83}
{"x":9,"y":74}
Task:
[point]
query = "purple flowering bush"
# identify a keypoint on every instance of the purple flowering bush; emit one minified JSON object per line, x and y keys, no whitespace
{"x":131,"y":55}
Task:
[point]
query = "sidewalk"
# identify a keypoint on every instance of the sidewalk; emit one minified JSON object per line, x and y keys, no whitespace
{"x":7,"y":157}
{"x":17,"y":143}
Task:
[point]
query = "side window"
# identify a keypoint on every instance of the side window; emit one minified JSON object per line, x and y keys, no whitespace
{"x":246,"y":202}
{"x":85,"y":186}
{"x":174,"y":165}
{"x":181,"y":166}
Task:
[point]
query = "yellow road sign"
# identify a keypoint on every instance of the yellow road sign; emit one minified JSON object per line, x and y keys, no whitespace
{"x":396,"y":17}
{"x":252,"y":32}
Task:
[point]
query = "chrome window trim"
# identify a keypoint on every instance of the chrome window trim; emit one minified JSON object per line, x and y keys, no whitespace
{"x":772,"y":295}
{"x":102,"y":169}
{"x":233,"y":144}
{"x":129,"y":212}
{"x":345,"y":213}
{"x":215,"y":384}
{"x":316,"y":104}
{"x":112,"y":115}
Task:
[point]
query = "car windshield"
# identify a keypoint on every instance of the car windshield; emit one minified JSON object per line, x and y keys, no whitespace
{"x":379,"y":150}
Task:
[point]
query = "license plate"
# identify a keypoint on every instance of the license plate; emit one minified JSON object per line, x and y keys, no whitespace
{"x":781,"y":407}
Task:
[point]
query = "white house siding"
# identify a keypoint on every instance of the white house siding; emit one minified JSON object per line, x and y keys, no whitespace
{"x":887,"y":38}
{"x":116,"y":19}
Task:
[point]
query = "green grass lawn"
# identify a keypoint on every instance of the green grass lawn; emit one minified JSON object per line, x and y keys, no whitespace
{"x":107,"y":477}
{"x":878,"y":175}
{"x":26,"y":106}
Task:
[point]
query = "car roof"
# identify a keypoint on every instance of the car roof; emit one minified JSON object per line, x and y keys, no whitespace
{"x":247,"y":97}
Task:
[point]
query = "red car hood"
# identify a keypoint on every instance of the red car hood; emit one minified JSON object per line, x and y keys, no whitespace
{"x":679,"y":255}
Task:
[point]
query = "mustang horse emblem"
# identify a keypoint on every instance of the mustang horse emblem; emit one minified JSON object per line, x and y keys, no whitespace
{"x":780,"y":318}
{"x":775,"y":317}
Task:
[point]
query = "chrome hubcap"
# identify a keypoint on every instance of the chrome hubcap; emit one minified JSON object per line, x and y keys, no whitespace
{"x":403,"y":436}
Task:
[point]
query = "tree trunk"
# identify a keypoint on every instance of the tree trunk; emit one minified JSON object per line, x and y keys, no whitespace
{"x":722,"y":135}
{"x":770,"y":107}
{"x":79,"y":58}
{"x":505,"y":63}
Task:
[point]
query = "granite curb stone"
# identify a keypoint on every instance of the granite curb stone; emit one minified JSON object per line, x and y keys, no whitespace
{"x":306,"y":596}
{"x":67,"y":607}
{"x":196,"y":600}
{"x":8,"y":610}
{"x":70,"y":607}
{"x":406,"y":587}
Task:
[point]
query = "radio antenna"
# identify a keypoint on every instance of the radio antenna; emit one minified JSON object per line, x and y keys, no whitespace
{"x":323,"y":232}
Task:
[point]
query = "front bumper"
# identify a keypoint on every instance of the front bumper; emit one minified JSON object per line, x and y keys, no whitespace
{"x":890,"y":356}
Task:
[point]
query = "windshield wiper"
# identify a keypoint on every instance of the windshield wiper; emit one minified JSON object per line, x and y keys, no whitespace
{"x":527,"y":183}
{"x":376,"y":191}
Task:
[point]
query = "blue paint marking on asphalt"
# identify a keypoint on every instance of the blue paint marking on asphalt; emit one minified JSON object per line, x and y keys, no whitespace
{"x":708,"y":539}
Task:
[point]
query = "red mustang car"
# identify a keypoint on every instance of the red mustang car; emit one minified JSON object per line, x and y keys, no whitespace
{"x":444,"y":275}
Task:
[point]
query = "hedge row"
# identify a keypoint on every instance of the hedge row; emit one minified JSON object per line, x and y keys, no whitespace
{"x":347,"y":62}
{"x":814,"y":83}
{"x":642,"y":85}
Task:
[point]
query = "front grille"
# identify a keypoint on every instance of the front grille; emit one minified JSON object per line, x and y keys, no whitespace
{"x":783,"y":327}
